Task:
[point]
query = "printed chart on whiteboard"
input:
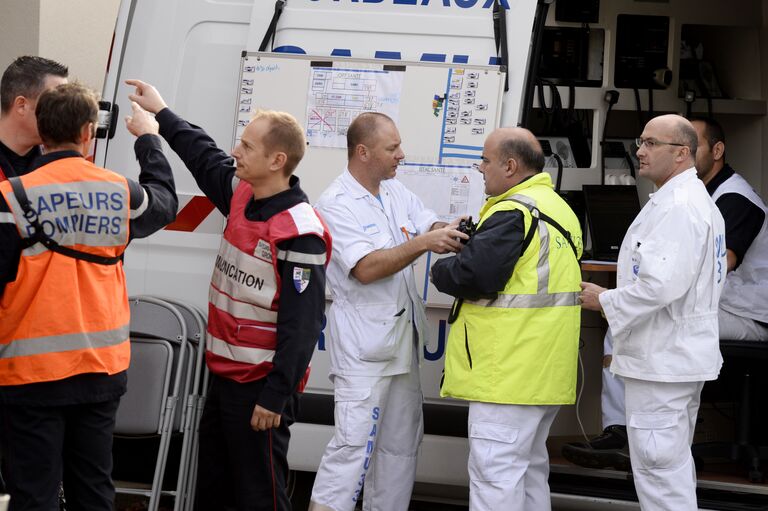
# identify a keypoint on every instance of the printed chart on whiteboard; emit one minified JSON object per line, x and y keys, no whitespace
{"x":336,"y":96}
{"x":448,"y":190}
{"x":468,"y":119}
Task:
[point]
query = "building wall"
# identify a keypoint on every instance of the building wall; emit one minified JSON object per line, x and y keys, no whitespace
{"x":77,"y":33}
{"x":19,"y":29}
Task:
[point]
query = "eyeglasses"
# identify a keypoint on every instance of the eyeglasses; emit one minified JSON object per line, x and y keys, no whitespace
{"x":651,"y":143}
{"x":476,"y":166}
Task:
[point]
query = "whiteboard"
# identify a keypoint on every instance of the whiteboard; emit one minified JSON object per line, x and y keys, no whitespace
{"x":444,"y":112}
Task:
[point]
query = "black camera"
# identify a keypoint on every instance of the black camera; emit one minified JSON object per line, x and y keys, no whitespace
{"x":108,"y":117}
{"x":467,"y":227}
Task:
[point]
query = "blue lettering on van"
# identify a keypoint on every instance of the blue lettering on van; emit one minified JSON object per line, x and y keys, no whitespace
{"x":440,"y":351}
{"x":463,"y":4}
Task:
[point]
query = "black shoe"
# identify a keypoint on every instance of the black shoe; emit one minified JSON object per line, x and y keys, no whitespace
{"x":609,"y":449}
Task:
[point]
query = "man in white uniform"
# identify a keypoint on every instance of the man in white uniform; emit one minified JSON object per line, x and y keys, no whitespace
{"x":375,"y":323}
{"x":663,"y":314}
{"x":743,"y":308}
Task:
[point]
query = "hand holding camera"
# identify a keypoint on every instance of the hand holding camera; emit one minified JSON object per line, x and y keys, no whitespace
{"x":467,"y":227}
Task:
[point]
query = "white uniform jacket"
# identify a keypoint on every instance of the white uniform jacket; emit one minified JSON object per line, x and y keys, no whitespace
{"x":671,"y":271}
{"x":370,"y":329}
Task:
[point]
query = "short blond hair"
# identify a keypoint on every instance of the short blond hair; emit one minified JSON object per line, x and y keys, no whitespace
{"x":285,"y":134}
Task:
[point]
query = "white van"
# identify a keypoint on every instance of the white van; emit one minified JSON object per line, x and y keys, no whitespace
{"x":192,"y":51}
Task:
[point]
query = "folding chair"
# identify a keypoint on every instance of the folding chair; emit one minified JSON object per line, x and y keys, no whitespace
{"x":188,"y":409}
{"x":201,"y":384}
{"x":155,"y":380}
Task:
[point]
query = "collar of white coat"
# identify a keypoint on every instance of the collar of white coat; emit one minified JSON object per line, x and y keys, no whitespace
{"x":669,"y":187}
{"x":353,"y":186}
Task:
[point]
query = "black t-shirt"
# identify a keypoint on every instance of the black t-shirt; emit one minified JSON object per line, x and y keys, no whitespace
{"x":743,"y":219}
{"x":14,"y":164}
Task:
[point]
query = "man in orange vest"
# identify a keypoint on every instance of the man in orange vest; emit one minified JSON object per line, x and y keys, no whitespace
{"x":64,"y":316}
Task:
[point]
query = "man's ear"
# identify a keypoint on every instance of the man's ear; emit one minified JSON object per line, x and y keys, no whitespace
{"x":278,"y":161}
{"x":512,"y":167}
{"x":87,"y":132}
{"x":361,"y":150}
{"x":718,"y":150}
{"x":22,"y":106}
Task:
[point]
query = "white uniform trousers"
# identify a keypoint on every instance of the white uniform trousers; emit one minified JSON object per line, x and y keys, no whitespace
{"x":612,"y":394}
{"x":379,"y":427}
{"x":738,"y":328}
{"x":661,"y":417}
{"x":508,"y":459}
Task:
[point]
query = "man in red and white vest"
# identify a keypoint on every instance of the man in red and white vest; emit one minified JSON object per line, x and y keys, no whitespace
{"x":266,"y":302}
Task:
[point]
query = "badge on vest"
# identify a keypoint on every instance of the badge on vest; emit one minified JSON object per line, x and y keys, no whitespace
{"x":301,"y":278}
{"x":262,"y":251}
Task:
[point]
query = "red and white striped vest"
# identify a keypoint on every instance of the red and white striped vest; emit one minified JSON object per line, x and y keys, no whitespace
{"x":245,"y":287}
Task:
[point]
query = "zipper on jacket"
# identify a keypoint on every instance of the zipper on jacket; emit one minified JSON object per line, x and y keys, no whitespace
{"x":466,"y":346}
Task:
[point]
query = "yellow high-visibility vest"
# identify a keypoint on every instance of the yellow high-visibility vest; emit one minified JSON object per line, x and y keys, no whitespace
{"x":521,"y":347}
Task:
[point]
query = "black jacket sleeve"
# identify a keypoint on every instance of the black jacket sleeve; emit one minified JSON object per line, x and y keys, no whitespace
{"x":486,"y":262}
{"x":10,"y":246}
{"x":212,"y":168}
{"x":153,"y":198}
{"x":299,"y":322}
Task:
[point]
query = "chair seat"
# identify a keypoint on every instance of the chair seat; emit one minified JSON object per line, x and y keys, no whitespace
{"x":746,"y":360}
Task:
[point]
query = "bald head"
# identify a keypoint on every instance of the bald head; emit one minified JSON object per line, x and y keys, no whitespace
{"x":678,"y":129}
{"x":668,"y":148}
{"x":521,"y":145}
{"x":364,"y":128}
{"x":509,"y":156}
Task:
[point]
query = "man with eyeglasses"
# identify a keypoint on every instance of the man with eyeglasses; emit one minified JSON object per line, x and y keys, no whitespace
{"x":743,"y":307}
{"x":663,"y":314}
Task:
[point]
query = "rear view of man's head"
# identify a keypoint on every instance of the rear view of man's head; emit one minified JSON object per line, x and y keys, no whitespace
{"x":67,"y":115}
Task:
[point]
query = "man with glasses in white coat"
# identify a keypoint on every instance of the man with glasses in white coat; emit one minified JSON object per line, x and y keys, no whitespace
{"x":663,"y":314}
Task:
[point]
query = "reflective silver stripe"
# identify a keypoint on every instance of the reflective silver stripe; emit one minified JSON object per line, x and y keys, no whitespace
{"x":7,"y":218}
{"x":63,"y":343}
{"x":305,"y":219}
{"x":92,"y":213}
{"x":235,"y":183}
{"x":238,"y":353}
{"x":240,"y":309}
{"x":143,"y":206}
{"x":37,"y":248}
{"x":542,"y":267}
{"x":529,"y":301}
{"x":300,"y":257}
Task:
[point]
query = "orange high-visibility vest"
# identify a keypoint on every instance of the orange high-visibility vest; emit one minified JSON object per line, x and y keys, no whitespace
{"x":64,"y":316}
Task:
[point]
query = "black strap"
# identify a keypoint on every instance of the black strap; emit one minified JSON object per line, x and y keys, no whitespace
{"x":500,"y":34}
{"x":537,"y":214}
{"x":279,"y":5}
{"x":39,"y":236}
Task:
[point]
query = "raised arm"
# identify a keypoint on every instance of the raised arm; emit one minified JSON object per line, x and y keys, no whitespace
{"x":212,"y":168}
{"x":153,"y":198}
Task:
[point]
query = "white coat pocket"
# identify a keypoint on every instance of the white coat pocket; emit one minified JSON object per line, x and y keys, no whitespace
{"x":353,"y":415}
{"x":375,"y":332}
{"x":655,"y":442}
{"x":492,"y":446}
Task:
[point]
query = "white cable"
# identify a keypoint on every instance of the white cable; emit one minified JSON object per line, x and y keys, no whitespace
{"x":578,"y":395}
